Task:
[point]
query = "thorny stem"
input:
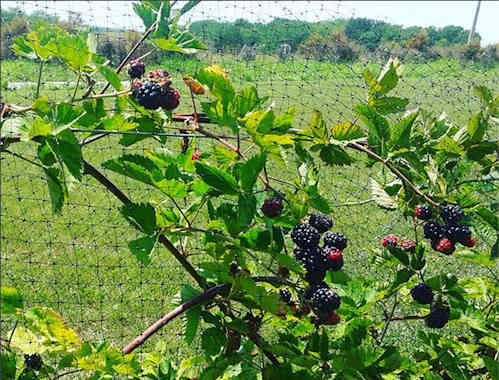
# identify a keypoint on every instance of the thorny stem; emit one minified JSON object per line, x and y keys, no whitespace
{"x":394,"y":170}
{"x":89,"y":169}
{"x":39,"y":81}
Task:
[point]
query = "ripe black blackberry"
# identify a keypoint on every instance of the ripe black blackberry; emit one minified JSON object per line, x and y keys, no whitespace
{"x":285,"y":295}
{"x":336,"y":240}
{"x":451,"y":213}
{"x":423,"y":212}
{"x":457,"y":232}
{"x":422,"y":294}
{"x":315,"y":276}
{"x":305,"y":236}
{"x":325,"y":301}
{"x":321,"y":222}
{"x":438,"y":317}
{"x":149,"y":95}
{"x":309,"y":292}
{"x":33,"y":361}
{"x":234,"y":269}
{"x":272,"y":207}
{"x":136,"y":69}
{"x":309,"y":257}
{"x":432,"y":231}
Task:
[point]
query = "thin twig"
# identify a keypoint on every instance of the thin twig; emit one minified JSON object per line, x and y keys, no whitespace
{"x":67,"y":373}
{"x":76,"y":87}
{"x":12,"y":333}
{"x":23,"y":158}
{"x":39,"y":81}
{"x":385,"y":329}
{"x":407,"y":318}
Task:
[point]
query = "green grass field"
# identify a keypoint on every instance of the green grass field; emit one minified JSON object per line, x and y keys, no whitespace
{"x":79,"y":262}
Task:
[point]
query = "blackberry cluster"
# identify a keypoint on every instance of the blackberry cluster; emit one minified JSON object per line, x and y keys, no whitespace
{"x":285,"y":295}
{"x":423,"y":212}
{"x":136,"y":69}
{"x":156,"y":91}
{"x":321,"y":222}
{"x":33,"y":361}
{"x":438,"y":317}
{"x":272,"y":207}
{"x":305,"y":236}
{"x":422,"y":294}
{"x":443,"y":237}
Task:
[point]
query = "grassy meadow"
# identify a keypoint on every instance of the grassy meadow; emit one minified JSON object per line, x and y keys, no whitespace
{"x":79,"y":262}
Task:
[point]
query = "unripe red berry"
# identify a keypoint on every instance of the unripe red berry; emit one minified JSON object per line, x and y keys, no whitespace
{"x":444,"y":245}
{"x":390,"y":240}
{"x":333,"y":318}
{"x":195,"y":155}
{"x":470,"y":242}
{"x":408,"y":245}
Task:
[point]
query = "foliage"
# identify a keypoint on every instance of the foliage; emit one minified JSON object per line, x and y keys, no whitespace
{"x":246,"y":331}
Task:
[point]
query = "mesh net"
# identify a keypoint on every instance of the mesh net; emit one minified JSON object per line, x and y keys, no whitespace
{"x":79,"y":262}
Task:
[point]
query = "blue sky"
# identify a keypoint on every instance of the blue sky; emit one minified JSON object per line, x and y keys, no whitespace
{"x":407,"y":13}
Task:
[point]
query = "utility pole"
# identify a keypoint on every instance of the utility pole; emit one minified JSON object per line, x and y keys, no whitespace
{"x":472,"y":31}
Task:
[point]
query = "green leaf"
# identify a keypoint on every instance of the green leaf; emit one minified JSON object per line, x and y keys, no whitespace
{"x":335,"y":155}
{"x":162,"y":19}
{"x":141,"y":216}
{"x":338,"y":277}
{"x":492,"y":366}
{"x":250,"y":171}
{"x":143,"y":124}
{"x":192,"y":319}
{"x":489,"y":217}
{"x":74,"y":50}
{"x":147,"y":15}
{"x":189,"y":5}
{"x":110,"y":76}
{"x":246,"y":100}
{"x":389,"y":76}
{"x":402,"y":276}
{"x":399,"y":254}
{"x":212,"y":340}
{"x":317,"y":126}
{"x":135,"y":166}
{"x":217,"y":178}
{"x":449,"y":145}
{"x":389,"y":104}
{"x":218,"y":82}
{"x":379,"y":129}
{"x":479,"y":151}
{"x":65,"y":145}
{"x":39,"y":127}
{"x":57,"y":188}
{"x":346,"y":131}
{"x":476,"y":127}
{"x":8,"y":365}
{"x":247,"y":209}
{"x":142,"y":248}
{"x":11,"y":300}
{"x":380,"y":196}
{"x":41,"y":106}
{"x":401,"y":131}
{"x":484,"y":93}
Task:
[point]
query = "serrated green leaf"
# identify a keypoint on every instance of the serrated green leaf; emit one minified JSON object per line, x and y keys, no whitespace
{"x":142,"y":248}
{"x":41,"y":106}
{"x":389,"y":104}
{"x":477,"y":127}
{"x":110,"y":76}
{"x":489,"y":217}
{"x":57,"y":188}
{"x":217,"y":178}
{"x":212,"y":341}
{"x":346,"y":131}
{"x":401,"y":131}
{"x":389,"y":76}
{"x":449,"y":145}
{"x":403,"y":275}
{"x":250,"y":171}
{"x":379,"y":129}
{"x":191,"y":325}
{"x":10,"y":300}
{"x":218,"y":82}
{"x":147,"y":15}
{"x":380,"y":196}
{"x":399,"y":254}
{"x":8,"y":365}
{"x":333,"y":154}
{"x":247,"y":209}
{"x":317,"y":127}
{"x":492,"y":366}
{"x":66,"y":147}
{"x":135,"y":166}
{"x":479,"y":151}
{"x":39,"y":127}
{"x":188,"y":6}
{"x":141,"y":216}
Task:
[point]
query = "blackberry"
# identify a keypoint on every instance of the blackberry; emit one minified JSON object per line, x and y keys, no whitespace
{"x":149,"y":95}
{"x":438,"y":317}
{"x":285,"y":295}
{"x":336,"y":240}
{"x":408,"y":245}
{"x":321,"y":222}
{"x":334,"y":258}
{"x":309,"y":292}
{"x":136,"y":69}
{"x":469,"y":243}
{"x":457,"y":232}
{"x":272,"y":207}
{"x":234,"y":269}
{"x":305,"y":236}
{"x":325,"y":301}
{"x":444,"y":245}
{"x":309,"y":258}
{"x":451,"y":213}
{"x":315,"y":276}
{"x":432,"y":231}
{"x":170,"y":98}
{"x":390,"y":240}
{"x":422,"y":294}
{"x":423,"y":212}
{"x":158,"y":75}
{"x":33,"y":361}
